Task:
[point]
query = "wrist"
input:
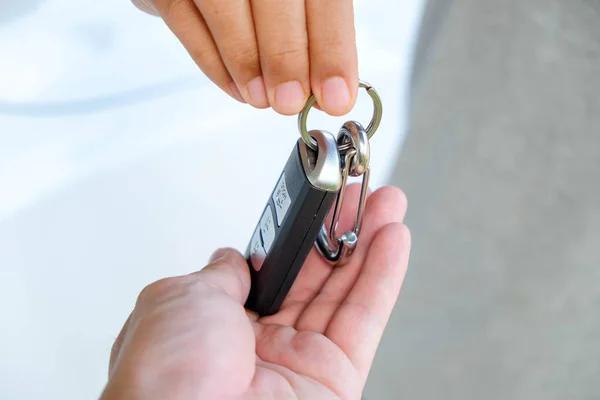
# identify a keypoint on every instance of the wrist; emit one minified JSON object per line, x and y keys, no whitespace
{"x":166,"y":385}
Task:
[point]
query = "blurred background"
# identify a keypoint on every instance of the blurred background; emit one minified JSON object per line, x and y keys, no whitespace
{"x":120,"y":164}
{"x":501,"y":167}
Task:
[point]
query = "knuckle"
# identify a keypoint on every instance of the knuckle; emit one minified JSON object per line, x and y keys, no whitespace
{"x":204,"y":56}
{"x":156,"y":290}
{"x":286,"y":59}
{"x":209,"y":61}
{"x":174,"y":9}
{"x":332,"y":56}
{"x":336,"y":43}
{"x":242,"y":58}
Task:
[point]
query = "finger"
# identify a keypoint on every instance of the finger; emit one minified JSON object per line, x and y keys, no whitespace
{"x":315,"y":271}
{"x":333,"y":57}
{"x":283,"y":47}
{"x":384,"y":206}
{"x":186,"y":22}
{"x":227,"y":270}
{"x":146,"y":6}
{"x":231,"y":25}
{"x":359,"y":323}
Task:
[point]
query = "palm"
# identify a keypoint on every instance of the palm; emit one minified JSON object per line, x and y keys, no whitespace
{"x":322,"y":341}
{"x":191,"y":333}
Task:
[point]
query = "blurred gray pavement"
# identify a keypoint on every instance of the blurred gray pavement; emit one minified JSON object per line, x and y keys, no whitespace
{"x":502,"y":172}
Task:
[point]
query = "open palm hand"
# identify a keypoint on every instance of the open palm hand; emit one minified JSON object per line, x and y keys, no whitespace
{"x":190,"y":337}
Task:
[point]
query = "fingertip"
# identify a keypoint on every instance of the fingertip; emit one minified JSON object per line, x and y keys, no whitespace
{"x":289,"y":98}
{"x":235,"y":93}
{"x":217,"y":255}
{"x":394,"y":237}
{"x":391,"y":199}
{"x":394,"y":195}
{"x":257,"y":93}
{"x":225,"y":253}
{"x":398,"y":230}
{"x":335,"y":97}
{"x":228,"y":269}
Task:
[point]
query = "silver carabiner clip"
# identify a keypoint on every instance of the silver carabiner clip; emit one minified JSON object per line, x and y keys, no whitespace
{"x":353,"y":142}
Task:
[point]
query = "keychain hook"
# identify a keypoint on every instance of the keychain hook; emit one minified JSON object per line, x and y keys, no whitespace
{"x":355,"y":162}
{"x":371,"y":128}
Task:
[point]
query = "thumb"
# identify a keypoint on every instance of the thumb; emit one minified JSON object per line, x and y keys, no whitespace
{"x":228,"y":271}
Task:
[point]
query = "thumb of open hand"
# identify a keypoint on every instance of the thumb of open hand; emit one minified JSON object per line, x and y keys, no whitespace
{"x":228,"y":271}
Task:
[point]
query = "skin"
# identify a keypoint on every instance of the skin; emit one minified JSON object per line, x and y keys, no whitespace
{"x":270,"y":53}
{"x":189,"y":337}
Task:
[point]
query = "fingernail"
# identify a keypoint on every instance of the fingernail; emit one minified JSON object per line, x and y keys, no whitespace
{"x":336,"y":95}
{"x":257,"y":92}
{"x":217,"y":255}
{"x":289,"y":97}
{"x":235,"y":92}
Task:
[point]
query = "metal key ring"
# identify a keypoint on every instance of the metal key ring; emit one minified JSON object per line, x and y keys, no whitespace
{"x":371,"y":128}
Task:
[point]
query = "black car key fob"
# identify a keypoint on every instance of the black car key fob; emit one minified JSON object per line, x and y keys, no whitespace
{"x":291,"y":221}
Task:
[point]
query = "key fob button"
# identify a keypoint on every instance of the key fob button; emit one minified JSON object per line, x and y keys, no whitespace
{"x":281,"y":199}
{"x":267,"y":228}
{"x":257,"y":252}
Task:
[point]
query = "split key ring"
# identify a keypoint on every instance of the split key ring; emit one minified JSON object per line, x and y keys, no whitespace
{"x":371,"y":128}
